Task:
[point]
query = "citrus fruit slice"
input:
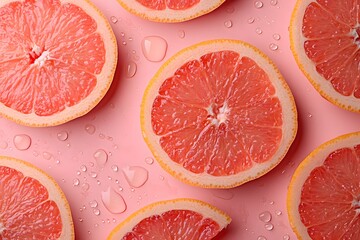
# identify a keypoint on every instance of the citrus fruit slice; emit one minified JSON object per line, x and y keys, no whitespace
{"x":325,"y":40}
{"x":57,"y":60}
{"x":170,"y":10}
{"x":324,"y":193}
{"x":173,"y":219}
{"x":32,"y":205}
{"x":218,"y":114}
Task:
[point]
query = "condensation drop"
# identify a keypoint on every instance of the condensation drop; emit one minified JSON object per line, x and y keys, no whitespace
{"x":47,"y":155}
{"x":258,"y":4}
{"x":309,"y":115}
{"x":85,"y":187}
{"x":136,"y":176}
{"x":131,"y":69}
{"x":113,"y":201}
{"x":22,"y":142}
{"x":76,"y":182}
{"x":93,"y":174}
{"x":83,"y":168}
{"x":261,"y":238}
{"x":251,"y":20}
{"x":269,"y":226}
{"x":258,"y":31}
{"x":181,"y":34}
{"x":113,"y":19}
{"x":223,"y":194}
{"x":154,"y":48}
{"x":278,"y":212}
{"x":100,"y":157}
{"x":96,"y":211}
{"x":62,"y":136}
{"x":115,"y":168}
{"x":149,"y":160}
{"x":3,"y":145}
{"x":265,"y":216}
{"x":273,"y":2}
{"x":230,"y":10}
{"x":273,"y":47}
{"x":93,"y":204}
{"x":286,"y":237}
{"x":228,"y":23}
{"x":276,"y":36}
{"x":90,"y":129}
{"x":81,"y":220}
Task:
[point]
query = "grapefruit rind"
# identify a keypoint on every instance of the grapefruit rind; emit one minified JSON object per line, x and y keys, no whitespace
{"x":205,"y":209}
{"x":104,"y":79}
{"x":170,"y":15}
{"x":324,"y":87}
{"x":315,"y":159}
{"x":195,"y":52}
{"x":54,"y":190}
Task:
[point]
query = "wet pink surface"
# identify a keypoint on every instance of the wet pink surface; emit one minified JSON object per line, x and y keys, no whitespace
{"x":63,"y":151}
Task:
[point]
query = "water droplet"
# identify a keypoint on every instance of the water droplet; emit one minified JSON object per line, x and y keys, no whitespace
{"x":96,"y":225}
{"x":223,"y":194}
{"x":47,"y":155}
{"x":251,"y":20}
{"x":91,"y":164}
{"x":265,"y":216}
{"x":230,"y":9}
{"x":149,"y":160}
{"x":273,"y":2}
{"x":181,"y":34}
{"x":114,"y":220}
{"x":154,"y":48}
{"x":57,"y":161}
{"x":101,"y":136}
{"x":228,"y":24}
{"x":276,"y":36}
{"x":93,"y":174}
{"x":101,"y":157}
{"x":113,"y":19}
{"x":83,"y":168}
{"x":81,"y":220}
{"x":136,"y":176}
{"x":78,"y":173}
{"x":271,"y":202}
{"x":117,"y":181}
{"x":162,"y":178}
{"x":76,"y":182}
{"x":113,"y":201}
{"x":286,"y":237}
{"x":93,"y":204}
{"x":258,"y":31}
{"x":115,"y":168}
{"x":98,"y":182}
{"x":269,"y":226}
{"x":261,"y":238}
{"x":273,"y":47}
{"x":96,"y":211}
{"x":3,"y":145}
{"x":62,"y":136}
{"x":131,"y":69}
{"x":22,"y":142}
{"x":85,"y":187}
{"x":90,"y":129}
{"x":278,"y":212}
{"x":258,"y":4}
{"x":309,"y":115}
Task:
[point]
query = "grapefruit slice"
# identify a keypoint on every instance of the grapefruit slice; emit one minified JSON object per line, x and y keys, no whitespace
{"x":218,"y":114}
{"x":170,"y":10}
{"x":32,"y":205}
{"x":173,"y":219}
{"x":325,"y":40}
{"x":324,"y":194}
{"x":57,"y":60}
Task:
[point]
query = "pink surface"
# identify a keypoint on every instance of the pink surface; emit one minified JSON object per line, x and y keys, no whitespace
{"x":116,"y":120}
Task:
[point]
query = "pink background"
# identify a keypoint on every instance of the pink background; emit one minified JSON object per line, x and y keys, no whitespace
{"x":118,"y":132}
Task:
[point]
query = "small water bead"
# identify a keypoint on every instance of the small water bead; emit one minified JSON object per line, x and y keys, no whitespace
{"x":115,"y":168}
{"x":93,"y":204}
{"x":136,"y":176}
{"x":117,"y":181}
{"x":90,"y":129}
{"x":3,"y":145}
{"x":93,"y":174}
{"x":47,"y":155}
{"x":85,"y":187}
{"x":269,"y":226}
{"x":181,"y":34}
{"x":131,"y":69}
{"x":154,"y":48}
{"x":113,"y":201}
{"x":228,"y":23}
{"x":265,"y":216}
{"x":273,"y":2}
{"x":309,"y":115}
{"x":96,"y":225}
{"x":271,"y":202}
{"x":258,"y":31}
{"x":276,"y":36}
{"x":223,"y":194}
{"x":78,"y":173}
{"x":258,"y":4}
{"x":83,"y":168}
{"x":273,"y":47}
{"x":251,"y":20}
{"x":149,"y":160}
{"x":81,"y":220}
{"x":230,"y":10}
{"x":96,"y":211}
{"x":22,"y":142}
{"x":278,"y":212}
{"x":261,"y":238}
{"x":286,"y":237}
{"x":113,"y":19}
{"x":98,"y":182}
{"x":76,"y":182}
{"x":101,"y":136}
{"x":62,"y":136}
{"x":101,"y":157}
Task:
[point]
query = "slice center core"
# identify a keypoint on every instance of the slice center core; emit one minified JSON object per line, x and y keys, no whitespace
{"x":218,"y":114}
{"x":38,"y":56}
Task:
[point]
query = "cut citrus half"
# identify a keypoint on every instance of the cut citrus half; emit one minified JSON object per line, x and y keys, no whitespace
{"x":32,"y":205}
{"x":57,"y":60}
{"x":325,"y":40}
{"x":170,"y":10}
{"x":218,"y":114}
{"x":324,"y":194}
{"x":173,"y":219}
